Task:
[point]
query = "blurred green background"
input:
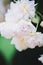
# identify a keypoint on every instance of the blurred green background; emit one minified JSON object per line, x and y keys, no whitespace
{"x":6,"y":48}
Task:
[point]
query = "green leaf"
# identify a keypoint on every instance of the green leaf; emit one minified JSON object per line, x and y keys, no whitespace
{"x":6,"y":48}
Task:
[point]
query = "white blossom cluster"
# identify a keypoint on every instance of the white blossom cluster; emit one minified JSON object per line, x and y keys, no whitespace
{"x":18,"y":26}
{"x":23,"y":9}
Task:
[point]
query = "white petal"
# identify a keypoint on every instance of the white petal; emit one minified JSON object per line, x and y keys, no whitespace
{"x":7,"y":29}
{"x":34,"y":39}
{"x":41,"y":58}
{"x":41,"y":24}
{"x":21,"y":9}
{"x":19,"y":46}
{"x":25,"y":26}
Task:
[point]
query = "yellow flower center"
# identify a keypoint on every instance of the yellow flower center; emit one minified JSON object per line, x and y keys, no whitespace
{"x":22,"y":40}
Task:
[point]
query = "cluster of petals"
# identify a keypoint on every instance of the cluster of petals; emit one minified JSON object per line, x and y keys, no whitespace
{"x":19,"y":27}
{"x":23,"y":9}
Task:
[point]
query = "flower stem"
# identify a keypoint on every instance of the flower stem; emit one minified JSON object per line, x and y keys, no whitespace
{"x":37,"y":26}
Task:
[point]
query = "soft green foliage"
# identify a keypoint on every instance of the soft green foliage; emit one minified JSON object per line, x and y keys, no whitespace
{"x":6,"y":48}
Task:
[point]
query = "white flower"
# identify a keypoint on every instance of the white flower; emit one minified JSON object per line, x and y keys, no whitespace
{"x":8,"y":29}
{"x":20,"y":10}
{"x":35,"y":39}
{"x":25,"y":26}
{"x":19,"y":43}
{"x":41,"y":24}
{"x":41,"y":58}
{"x":24,"y":41}
{"x":18,"y":26}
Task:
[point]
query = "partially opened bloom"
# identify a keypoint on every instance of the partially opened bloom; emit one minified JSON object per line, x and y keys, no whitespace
{"x":41,"y":24}
{"x":36,"y":19}
{"x":41,"y":58}
{"x":23,"y":9}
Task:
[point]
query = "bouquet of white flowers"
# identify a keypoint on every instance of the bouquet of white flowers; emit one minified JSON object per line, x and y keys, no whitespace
{"x":18,"y":25}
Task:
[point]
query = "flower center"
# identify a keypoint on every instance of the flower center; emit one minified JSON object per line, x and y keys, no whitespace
{"x":22,"y":40}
